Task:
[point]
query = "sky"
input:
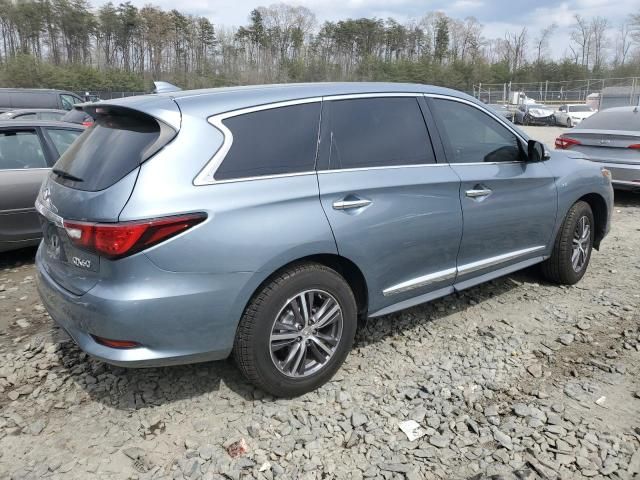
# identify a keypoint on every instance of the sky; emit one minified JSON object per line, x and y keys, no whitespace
{"x":497,"y":16}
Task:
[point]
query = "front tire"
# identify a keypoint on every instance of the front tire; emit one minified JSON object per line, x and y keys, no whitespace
{"x":572,"y":248}
{"x":297,"y":330}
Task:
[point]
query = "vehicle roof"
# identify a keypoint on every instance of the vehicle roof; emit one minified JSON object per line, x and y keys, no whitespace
{"x":211,"y":101}
{"x":36,"y":90}
{"x":628,"y":108}
{"x":35,"y":110}
{"x":39,"y":123}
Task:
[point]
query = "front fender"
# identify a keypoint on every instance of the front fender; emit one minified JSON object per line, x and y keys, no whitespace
{"x":577,"y":178}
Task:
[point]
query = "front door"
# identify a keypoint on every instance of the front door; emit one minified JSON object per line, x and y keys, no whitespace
{"x":509,"y":205}
{"x":23,"y":166}
{"x":393,"y":210}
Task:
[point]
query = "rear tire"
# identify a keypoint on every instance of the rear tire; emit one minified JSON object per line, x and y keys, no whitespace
{"x":284,"y":321}
{"x":572,"y":248}
{"x":569,"y":124}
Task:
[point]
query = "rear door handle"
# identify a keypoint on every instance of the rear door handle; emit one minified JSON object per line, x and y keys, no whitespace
{"x":348,"y":204}
{"x":478,"y":193}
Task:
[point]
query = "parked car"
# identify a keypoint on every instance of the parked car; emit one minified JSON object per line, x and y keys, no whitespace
{"x":502,"y":110}
{"x":534,"y":114}
{"x":27,"y":151}
{"x":572,"y":114}
{"x":187,"y":225}
{"x":611,"y":138}
{"x":13,"y":98}
{"x":33,"y":114}
{"x":78,"y":115}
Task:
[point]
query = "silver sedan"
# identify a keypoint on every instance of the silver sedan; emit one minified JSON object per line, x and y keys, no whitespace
{"x":610,"y":137}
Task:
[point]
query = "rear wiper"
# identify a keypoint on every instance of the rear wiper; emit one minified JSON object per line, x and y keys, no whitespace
{"x":68,"y":176}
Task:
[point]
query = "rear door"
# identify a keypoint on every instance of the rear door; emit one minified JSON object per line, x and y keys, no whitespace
{"x":393,"y":209}
{"x":24,"y":163}
{"x":509,"y":205}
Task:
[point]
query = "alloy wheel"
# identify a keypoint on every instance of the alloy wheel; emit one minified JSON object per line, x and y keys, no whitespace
{"x":581,"y":244}
{"x":306,"y":333}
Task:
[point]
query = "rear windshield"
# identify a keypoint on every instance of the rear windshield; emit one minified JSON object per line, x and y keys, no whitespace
{"x":76,"y":116}
{"x":580,"y":108}
{"x":613,"y":120}
{"x":107,"y":151}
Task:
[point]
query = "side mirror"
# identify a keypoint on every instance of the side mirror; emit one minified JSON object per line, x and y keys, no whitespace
{"x":536,"y":151}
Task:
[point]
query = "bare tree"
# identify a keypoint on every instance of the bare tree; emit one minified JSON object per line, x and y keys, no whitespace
{"x":581,"y":37}
{"x":542,"y":41}
{"x":622,"y":43}
{"x":599,"y":26}
{"x":515,"y":48}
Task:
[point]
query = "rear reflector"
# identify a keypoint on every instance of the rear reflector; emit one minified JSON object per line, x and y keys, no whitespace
{"x":562,"y":143}
{"x":115,"y":343}
{"x":117,"y":240}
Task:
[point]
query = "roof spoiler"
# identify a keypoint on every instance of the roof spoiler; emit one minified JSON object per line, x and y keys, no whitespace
{"x":164,"y":87}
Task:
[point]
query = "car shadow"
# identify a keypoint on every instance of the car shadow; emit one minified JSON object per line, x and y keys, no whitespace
{"x":124,"y":388}
{"x":17,"y":258}
{"x":623,"y":198}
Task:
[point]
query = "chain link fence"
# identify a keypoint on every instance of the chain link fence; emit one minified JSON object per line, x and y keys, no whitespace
{"x":599,"y":93}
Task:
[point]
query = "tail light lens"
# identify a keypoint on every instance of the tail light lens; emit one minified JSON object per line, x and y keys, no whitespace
{"x":87,"y":123}
{"x":117,"y":240}
{"x":562,"y":143}
{"x":635,"y":146}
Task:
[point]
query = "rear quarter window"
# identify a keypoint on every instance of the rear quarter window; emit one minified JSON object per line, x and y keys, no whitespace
{"x":275,"y":141}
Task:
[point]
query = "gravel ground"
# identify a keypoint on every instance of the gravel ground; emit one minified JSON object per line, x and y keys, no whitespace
{"x":514,"y":379}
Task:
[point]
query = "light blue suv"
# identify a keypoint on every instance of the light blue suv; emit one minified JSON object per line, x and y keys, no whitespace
{"x":265,"y":221}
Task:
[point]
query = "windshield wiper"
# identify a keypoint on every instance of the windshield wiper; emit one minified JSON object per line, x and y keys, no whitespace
{"x":68,"y":176}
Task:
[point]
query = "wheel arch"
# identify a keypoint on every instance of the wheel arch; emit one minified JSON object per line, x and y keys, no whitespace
{"x":346,"y":268}
{"x":599,"y":208}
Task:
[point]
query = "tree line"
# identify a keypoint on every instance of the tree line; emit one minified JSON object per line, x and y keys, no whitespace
{"x":68,"y":44}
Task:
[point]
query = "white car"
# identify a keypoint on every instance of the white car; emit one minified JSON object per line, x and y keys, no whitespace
{"x":572,"y":114}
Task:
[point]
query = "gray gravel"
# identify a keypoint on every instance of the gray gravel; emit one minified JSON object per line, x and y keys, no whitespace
{"x":514,"y":379}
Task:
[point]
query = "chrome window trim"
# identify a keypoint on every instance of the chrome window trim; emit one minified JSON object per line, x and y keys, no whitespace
{"x":23,"y":169}
{"x":385,"y":167}
{"x":355,"y":96}
{"x":486,"y":111}
{"x":442,"y":275}
{"x":207,"y":174}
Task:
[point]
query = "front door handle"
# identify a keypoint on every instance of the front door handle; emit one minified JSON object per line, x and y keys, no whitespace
{"x":478,"y":193}
{"x":348,"y":204}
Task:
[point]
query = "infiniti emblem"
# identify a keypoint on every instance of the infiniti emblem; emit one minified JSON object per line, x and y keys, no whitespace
{"x":604,"y":141}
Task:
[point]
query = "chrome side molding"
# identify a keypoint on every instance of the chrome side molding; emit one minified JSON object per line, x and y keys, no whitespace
{"x":449,"y":273}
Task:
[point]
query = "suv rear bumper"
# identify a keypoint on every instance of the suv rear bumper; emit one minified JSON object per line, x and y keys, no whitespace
{"x":177,"y":318}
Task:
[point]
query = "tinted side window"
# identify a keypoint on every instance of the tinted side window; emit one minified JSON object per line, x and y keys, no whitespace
{"x":378,"y":132}
{"x":272,"y":142}
{"x":21,"y":150}
{"x":62,"y":139}
{"x":472,"y":136}
{"x":51,"y":115}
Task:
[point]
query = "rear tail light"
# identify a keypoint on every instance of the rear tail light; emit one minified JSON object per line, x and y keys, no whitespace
{"x":562,"y":143}
{"x":87,"y":123}
{"x":635,"y":146}
{"x":117,"y":240}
